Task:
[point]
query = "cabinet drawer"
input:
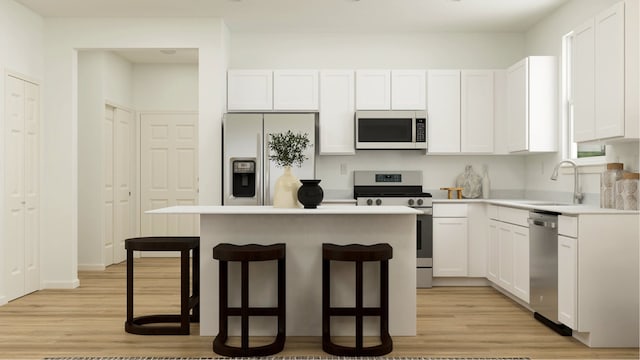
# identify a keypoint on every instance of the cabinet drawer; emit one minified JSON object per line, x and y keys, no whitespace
{"x":513,"y":216}
{"x":449,"y":210}
{"x":568,"y":226}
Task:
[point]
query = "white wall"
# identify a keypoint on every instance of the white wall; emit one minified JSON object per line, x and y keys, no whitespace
{"x":60,"y":133}
{"x":21,"y":50}
{"x":545,"y":38}
{"x":102,"y":77}
{"x":165,"y":87}
{"x":422,"y":51}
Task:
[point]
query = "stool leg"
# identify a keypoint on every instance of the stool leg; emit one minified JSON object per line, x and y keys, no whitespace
{"x":326,"y":323}
{"x":282,"y":296}
{"x":359,"y":309}
{"x":195,"y":271}
{"x":129,"y":286}
{"x":384,"y":297}
{"x":223,"y":302}
{"x":244,"y":308}
{"x":184,"y":291}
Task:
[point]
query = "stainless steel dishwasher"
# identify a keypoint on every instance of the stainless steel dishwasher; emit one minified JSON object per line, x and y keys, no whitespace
{"x":543,"y":269}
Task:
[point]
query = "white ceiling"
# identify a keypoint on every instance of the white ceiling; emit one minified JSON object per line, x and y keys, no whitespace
{"x":355,"y":16}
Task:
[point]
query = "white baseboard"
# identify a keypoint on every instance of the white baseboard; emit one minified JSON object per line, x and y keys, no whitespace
{"x":460,"y":281}
{"x":145,"y":254}
{"x":3,"y":300}
{"x":61,"y":284}
{"x":91,"y":267}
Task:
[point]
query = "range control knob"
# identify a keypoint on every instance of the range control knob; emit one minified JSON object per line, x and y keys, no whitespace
{"x":369,"y":202}
{"x":378,"y":202}
{"x":410,"y":202}
{"x":420,"y":201}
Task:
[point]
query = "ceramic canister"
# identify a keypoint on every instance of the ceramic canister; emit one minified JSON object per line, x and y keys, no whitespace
{"x":608,"y":180}
{"x":627,"y":192}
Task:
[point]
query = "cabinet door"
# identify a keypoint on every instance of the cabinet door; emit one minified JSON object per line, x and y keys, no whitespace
{"x":493,"y":252}
{"x":249,"y":90}
{"x":337,"y":105}
{"x":517,"y":107}
{"x":373,"y":90}
{"x":500,"y":135}
{"x":408,"y":90}
{"x":568,"y":281}
{"x":505,"y":256}
{"x":443,"y":109}
{"x":476,"y":111}
{"x":583,"y":82}
{"x":450,"y":247}
{"x":520,"y":262}
{"x":609,"y":72}
{"x":295,"y":90}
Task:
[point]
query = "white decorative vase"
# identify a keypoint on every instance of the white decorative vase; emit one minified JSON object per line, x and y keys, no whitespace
{"x":486,"y":184}
{"x":285,"y":194}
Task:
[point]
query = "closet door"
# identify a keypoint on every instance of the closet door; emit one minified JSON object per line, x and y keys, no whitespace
{"x":22,"y":194}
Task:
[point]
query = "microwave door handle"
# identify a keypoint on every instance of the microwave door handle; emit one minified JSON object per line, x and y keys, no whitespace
{"x":413,"y":128}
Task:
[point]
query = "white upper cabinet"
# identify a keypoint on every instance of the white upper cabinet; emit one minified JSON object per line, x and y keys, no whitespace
{"x":460,"y":110}
{"x":373,"y":90}
{"x":609,"y":72}
{"x":583,"y":82}
{"x":443,"y":111}
{"x":476,"y":111}
{"x":532,"y":105}
{"x":295,"y":90}
{"x":408,"y":89}
{"x":337,"y":105}
{"x":249,"y":90}
{"x":605,"y":75}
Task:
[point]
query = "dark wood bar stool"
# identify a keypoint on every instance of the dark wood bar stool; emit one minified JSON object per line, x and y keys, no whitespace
{"x":245,"y":254}
{"x":358,"y":254}
{"x":184,"y":244}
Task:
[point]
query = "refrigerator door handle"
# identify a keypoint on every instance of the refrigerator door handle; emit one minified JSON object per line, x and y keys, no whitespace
{"x":266,"y":164}
{"x":259,"y":196}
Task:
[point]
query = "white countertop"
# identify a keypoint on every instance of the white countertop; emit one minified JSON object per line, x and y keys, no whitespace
{"x":566,"y":209}
{"x":270,"y":210}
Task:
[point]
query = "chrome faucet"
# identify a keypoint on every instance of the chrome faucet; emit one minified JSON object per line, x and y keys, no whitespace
{"x":577,"y":195}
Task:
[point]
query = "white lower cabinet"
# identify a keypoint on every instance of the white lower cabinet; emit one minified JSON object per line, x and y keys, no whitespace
{"x":508,"y":252}
{"x":450,"y":247}
{"x":450,"y":234}
{"x":568,"y":281}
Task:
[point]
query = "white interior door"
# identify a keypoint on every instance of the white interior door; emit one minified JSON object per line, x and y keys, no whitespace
{"x":108,"y":193}
{"x":123,"y":152}
{"x":118,"y":207}
{"x":168,"y":172}
{"x":22,"y":211}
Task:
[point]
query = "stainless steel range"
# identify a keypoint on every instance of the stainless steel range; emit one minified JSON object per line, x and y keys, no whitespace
{"x":380,"y":188}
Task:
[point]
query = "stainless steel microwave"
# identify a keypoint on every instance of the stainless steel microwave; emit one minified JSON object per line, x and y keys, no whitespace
{"x":391,"y":129}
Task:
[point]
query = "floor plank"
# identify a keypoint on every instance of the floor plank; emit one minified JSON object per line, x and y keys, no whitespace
{"x":89,"y":321}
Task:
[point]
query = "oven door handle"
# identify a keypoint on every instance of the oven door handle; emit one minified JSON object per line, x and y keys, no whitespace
{"x":426,"y":211}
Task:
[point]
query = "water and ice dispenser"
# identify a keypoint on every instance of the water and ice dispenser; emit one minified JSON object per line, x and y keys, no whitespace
{"x":243,"y":178}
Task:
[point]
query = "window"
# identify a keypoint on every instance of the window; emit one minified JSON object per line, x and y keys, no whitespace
{"x":582,"y":153}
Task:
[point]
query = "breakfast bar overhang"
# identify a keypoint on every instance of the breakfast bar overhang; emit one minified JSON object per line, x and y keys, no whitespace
{"x":303,"y":231}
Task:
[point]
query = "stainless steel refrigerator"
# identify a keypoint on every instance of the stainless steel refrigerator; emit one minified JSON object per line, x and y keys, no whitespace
{"x":248,"y":174}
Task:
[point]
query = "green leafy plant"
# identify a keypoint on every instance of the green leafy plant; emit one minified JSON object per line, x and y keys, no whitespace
{"x":287,"y":148}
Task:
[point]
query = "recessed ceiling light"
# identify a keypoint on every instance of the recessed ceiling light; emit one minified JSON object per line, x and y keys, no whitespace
{"x":168,"y":51}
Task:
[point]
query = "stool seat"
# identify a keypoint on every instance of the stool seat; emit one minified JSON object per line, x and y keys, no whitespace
{"x":246,"y":254}
{"x":358,"y":254}
{"x":250,"y":252}
{"x":184,"y":244}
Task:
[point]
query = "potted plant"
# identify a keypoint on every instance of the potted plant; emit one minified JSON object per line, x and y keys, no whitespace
{"x":286,"y":150}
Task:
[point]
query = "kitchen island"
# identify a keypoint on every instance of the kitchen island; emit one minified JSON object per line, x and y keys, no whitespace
{"x":303,"y":231}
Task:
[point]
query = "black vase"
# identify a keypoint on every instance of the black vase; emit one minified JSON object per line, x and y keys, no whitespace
{"x":310,"y":194}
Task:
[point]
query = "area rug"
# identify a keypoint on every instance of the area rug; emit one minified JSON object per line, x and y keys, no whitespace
{"x":285,"y":358}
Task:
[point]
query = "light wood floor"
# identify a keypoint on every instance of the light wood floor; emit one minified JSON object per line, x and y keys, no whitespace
{"x":89,"y":321}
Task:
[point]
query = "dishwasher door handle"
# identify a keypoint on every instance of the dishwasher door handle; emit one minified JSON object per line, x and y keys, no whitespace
{"x":547,"y":224}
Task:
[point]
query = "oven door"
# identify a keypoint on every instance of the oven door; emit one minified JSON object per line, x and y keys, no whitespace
{"x":424,"y":235}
